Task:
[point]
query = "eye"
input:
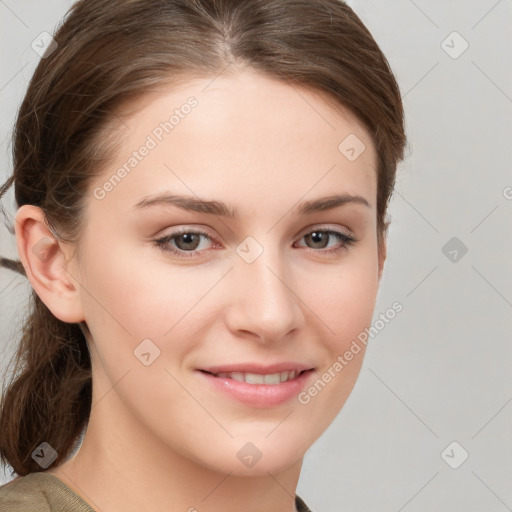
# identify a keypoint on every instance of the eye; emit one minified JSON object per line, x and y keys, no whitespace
{"x":319,"y":238}
{"x":186,"y":243}
{"x":185,"y":240}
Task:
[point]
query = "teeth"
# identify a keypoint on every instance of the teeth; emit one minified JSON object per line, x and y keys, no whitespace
{"x":255,"y":378}
{"x":273,"y":378}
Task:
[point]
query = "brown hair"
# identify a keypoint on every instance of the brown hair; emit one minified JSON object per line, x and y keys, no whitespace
{"x":112,"y":51}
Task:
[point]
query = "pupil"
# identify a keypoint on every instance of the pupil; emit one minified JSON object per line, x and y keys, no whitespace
{"x":317,"y":238}
{"x":188,"y":238}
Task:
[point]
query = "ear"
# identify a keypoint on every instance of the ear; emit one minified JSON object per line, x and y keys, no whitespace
{"x":382,"y":255}
{"x":46,"y":263}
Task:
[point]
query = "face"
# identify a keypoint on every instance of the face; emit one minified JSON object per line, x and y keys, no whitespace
{"x":210,"y":269}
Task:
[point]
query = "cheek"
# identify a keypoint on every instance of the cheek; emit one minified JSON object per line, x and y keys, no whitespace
{"x":139,"y":299}
{"x":345,"y":308}
{"x":128,"y":301}
{"x":343,"y":297}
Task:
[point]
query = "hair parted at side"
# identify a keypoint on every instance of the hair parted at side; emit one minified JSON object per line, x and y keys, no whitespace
{"x":110,"y":52}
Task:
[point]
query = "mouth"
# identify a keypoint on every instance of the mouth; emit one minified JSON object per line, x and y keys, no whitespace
{"x":256,"y":386}
{"x":271,"y":379}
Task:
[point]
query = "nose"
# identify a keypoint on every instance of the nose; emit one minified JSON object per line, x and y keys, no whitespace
{"x":264,"y":302}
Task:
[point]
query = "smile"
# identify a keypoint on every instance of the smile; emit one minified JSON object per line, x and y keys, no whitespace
{"x":266,"y":389}
{"x":256,"y":378}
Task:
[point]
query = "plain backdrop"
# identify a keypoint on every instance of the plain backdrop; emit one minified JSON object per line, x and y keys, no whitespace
{"x":428,"y":425}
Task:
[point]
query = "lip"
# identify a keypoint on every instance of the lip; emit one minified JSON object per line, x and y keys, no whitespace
{"x":258,"y":368}
{"x":258,"y":395}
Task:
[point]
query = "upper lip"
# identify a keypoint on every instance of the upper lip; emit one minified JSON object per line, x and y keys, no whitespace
{"x":257,"y":368}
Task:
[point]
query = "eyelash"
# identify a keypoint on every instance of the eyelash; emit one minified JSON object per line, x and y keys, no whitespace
{"x":163,"y":242}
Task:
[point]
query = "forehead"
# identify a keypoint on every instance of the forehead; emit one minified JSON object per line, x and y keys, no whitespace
{"x":263,"y":138}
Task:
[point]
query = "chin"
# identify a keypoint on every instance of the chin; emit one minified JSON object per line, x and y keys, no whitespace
{"x":244,"y":457}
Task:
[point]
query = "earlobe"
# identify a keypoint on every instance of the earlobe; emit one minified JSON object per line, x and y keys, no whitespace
{"x":46,"y":265}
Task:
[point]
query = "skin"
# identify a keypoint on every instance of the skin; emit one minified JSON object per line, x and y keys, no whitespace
{"x":262,"y":146}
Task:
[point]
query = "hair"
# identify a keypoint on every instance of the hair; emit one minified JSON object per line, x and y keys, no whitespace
{"x":110,"y":53}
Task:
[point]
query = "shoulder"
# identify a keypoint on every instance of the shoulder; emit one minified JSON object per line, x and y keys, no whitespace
{"x":24,"y":494}
{"x":40,"y":492}
{"x":43,"y":492}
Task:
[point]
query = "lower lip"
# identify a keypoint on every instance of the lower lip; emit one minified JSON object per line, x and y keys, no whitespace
{"x":259,"y":395}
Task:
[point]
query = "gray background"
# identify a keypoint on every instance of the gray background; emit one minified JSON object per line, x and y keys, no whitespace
{"x":441,"y":370}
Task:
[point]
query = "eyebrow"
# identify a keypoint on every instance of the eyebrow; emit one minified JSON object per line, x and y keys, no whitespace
{"x":222,"y":209}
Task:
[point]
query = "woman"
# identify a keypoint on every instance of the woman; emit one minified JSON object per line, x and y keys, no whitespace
{"x":202,"y":189}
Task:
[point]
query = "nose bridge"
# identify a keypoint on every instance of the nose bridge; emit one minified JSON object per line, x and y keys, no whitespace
{"x":266,"y":304}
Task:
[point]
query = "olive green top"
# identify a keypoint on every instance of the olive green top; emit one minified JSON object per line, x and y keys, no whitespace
{"x":44,"y":492}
